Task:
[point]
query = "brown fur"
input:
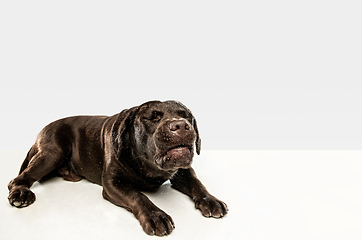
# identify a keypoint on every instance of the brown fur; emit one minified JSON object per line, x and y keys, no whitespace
{"x":135,"y":150}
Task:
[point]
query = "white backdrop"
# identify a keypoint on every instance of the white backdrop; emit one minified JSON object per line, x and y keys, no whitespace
{"x":256,"y":74}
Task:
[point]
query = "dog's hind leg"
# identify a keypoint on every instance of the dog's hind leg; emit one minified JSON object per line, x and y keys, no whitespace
{"x":37,"y":164}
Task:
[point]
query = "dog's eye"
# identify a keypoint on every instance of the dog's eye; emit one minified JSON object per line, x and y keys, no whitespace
{"x":182,"y":114}
{"x":155,"y":116}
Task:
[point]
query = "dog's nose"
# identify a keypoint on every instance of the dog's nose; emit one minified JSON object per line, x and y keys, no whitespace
{"x":180,"y":127}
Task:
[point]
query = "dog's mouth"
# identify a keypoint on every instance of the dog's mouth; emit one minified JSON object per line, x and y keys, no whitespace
{"x":176,"y":157}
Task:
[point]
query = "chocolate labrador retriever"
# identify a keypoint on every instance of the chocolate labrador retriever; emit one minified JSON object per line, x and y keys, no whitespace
{"x":133,"y":151}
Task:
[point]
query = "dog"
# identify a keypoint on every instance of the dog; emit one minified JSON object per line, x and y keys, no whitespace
{"x":135,"y":150}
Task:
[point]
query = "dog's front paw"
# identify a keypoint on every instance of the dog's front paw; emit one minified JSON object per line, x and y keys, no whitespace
{"x":157,"y":223}
{"x":211,"y":207}
{"x":21,"y":197}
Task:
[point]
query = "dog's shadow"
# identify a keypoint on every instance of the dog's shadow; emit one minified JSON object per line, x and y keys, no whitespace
{"x":58,"y":191}
{"x":169,"y":199}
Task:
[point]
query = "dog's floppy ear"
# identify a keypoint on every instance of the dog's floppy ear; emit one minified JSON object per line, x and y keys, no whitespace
{"x":121,"y":127}
{"x":198,"y":139}
{"x":194,"y":124}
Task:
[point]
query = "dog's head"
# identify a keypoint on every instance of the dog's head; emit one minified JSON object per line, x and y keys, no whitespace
{"x":162,"y":133}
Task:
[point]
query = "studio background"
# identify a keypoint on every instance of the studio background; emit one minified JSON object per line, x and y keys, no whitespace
{"x":257,"y":75}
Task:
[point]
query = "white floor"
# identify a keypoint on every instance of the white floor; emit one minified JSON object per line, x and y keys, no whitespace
{"x":270,"y":194}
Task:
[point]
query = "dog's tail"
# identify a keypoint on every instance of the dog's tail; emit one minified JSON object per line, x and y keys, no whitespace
{"x":33,"y":150}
